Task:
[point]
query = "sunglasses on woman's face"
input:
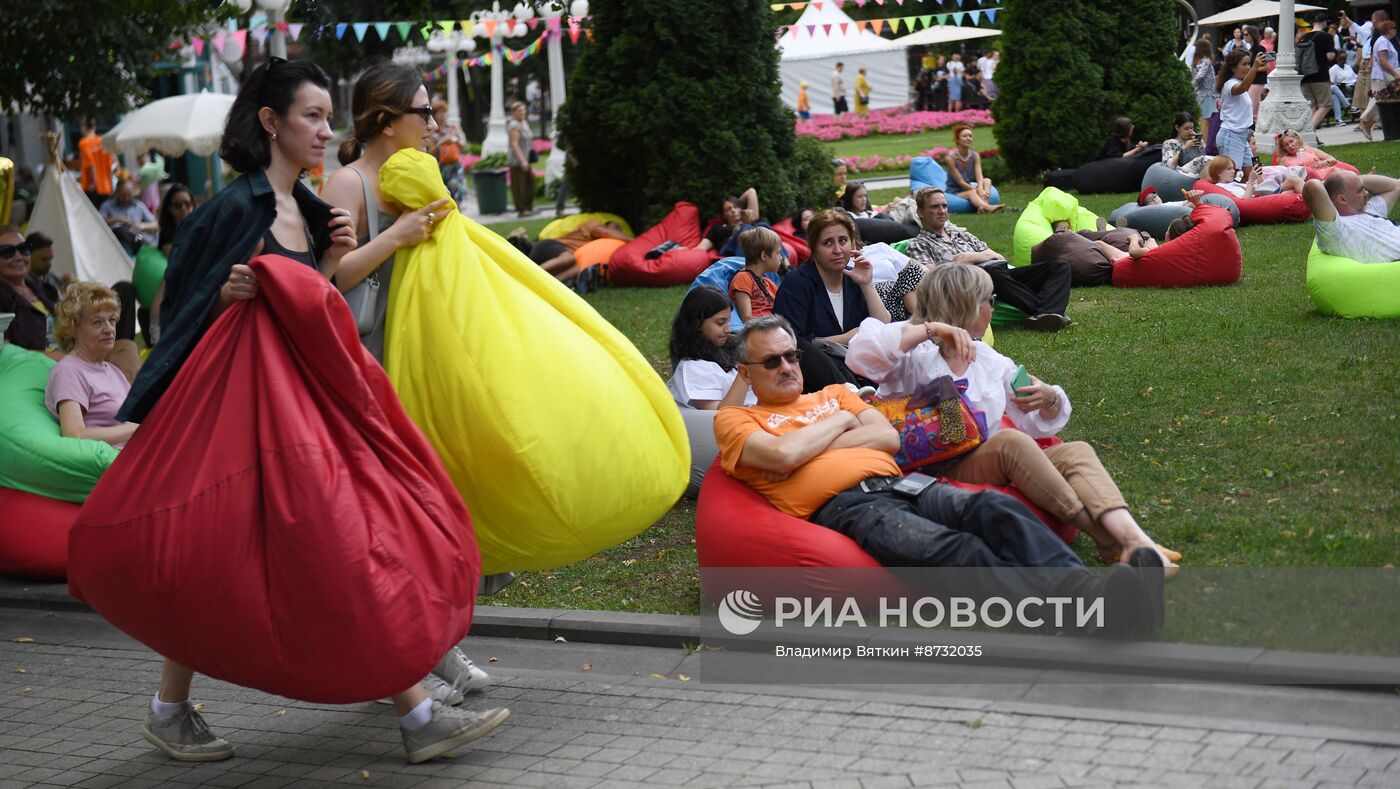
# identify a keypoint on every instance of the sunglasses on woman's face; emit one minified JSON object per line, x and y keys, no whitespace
{"x":425,"y":112}
{"x":8,"y":251}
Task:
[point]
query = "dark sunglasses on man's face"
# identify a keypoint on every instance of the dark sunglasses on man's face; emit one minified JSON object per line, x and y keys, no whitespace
{"x":8,"y":251}
{"x":772,"y":362}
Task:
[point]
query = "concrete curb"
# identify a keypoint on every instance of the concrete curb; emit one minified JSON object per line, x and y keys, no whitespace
{"x":1026,"y":652}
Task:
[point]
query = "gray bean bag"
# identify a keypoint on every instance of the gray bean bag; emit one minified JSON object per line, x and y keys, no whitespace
{"x":1155,"y":218}
{"x":1169,"y":182}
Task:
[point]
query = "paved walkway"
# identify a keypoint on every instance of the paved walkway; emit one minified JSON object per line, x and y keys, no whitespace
{"x":72,"y":700}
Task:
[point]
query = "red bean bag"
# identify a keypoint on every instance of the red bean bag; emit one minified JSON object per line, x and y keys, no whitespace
{"x":795,"y":240}
{"x":1269,"y":209}
{"x":278,"y":521}
{"x":630,"y":266}
{"x":1207,"y":254}
{"x":34,"y":535}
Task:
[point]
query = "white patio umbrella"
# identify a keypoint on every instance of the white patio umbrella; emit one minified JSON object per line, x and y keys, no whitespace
{"x":1255,"y":9}
{"x":192,"y":123}
{"x":945,"y":34}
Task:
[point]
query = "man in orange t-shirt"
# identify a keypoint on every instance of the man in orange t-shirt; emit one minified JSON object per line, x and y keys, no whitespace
{"x":828,"y":457}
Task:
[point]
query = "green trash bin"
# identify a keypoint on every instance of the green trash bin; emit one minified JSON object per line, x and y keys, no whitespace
{"x":490,"y":190}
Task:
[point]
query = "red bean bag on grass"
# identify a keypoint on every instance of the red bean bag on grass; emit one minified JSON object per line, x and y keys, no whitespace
{"x":1266,"y":210}
{"x":795,"y":240}
{"x":34,"y":535}
{"x":278,"y":521}
{"x":630,"y":266}
{"x":1207,"y":254}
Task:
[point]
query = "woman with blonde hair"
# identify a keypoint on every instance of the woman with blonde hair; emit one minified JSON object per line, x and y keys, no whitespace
{"x":954,"y":304}
{"x":85,"y":388}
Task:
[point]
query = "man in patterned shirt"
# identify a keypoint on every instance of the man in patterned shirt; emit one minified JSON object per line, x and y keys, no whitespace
{"x":1040,"y":290}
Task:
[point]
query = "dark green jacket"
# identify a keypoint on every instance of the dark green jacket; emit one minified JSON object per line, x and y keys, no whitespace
{"x":219,"y":234}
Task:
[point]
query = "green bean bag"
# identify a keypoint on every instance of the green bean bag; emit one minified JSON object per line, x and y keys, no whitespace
{"x":34,"y":455}
{"x":1035,"y":222}
{"x":148,"y":274}
{"x":1350,"y":289}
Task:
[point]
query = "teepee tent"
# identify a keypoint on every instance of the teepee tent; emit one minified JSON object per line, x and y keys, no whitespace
{"x":83,"y":245}
{"x":824,"y":35}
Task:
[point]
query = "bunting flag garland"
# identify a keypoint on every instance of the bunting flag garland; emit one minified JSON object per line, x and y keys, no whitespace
{"x":360,"y":29}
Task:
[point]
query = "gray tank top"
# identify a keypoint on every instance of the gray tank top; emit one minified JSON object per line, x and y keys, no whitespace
{"x":374,"y":341}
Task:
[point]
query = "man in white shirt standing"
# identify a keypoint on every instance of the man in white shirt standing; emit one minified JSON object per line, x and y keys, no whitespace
{"x":1343,"y":82}
{"x":987,"y":66}
{"x":1362,"y":34}
{"x":1350,"y":216}
{"x":838,"y":90}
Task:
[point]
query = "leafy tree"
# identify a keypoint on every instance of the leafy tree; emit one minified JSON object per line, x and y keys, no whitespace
{"x":1049,"y":109}
{"x":76,"y":58}
{"x":676,"y":100}
{"x":1143,"y":77}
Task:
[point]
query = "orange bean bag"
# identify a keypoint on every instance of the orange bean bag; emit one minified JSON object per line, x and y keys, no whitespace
{"x":1207,"y":254}
{"x":599,"y":250}
{"x":34,"y":535}
{"x":629,"y":265}
{"x":1269,"y":209}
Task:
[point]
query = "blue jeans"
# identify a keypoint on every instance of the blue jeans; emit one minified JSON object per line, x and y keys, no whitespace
{"x":1339,"y":99}
{"x":1234,"y":144}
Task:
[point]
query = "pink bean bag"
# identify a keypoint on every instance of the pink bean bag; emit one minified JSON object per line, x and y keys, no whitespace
{"x":1270,"y":209}
{"x":630,"y":266}
{"x":1207,"y":254}
{"x":34,"y":535}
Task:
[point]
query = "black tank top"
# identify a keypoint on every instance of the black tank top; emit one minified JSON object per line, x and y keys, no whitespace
{"x":272,"y":247}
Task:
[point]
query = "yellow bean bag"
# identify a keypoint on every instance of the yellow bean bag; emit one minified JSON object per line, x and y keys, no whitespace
{"x":1351,"y":289}
{"x":567,"y":224}
{"x":561,"y":438}
{"x":1036,"y":222}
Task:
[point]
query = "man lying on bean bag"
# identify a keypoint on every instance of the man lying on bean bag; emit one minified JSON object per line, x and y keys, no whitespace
{"x":1200,"y":249}
{"x":828,"y":457}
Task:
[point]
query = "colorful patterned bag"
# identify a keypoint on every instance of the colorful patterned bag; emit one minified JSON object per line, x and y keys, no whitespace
{"x":935,"y":424}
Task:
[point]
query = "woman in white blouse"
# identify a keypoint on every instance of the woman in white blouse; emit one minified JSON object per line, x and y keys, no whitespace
{"x":954,"y":304}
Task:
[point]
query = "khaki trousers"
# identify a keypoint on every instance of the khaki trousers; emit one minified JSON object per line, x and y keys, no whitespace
{"x":1061,"y":480}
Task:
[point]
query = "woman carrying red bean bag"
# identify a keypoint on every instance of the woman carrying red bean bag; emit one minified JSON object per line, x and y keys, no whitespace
{"x":1201,"y":249}
{"x":631,"y":266}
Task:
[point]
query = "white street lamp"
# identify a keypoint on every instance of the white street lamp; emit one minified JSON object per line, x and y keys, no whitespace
{"x":276,"y":13}
{"x":1285,"y":107}
{"x":450,"y":45}
{"x":497,"y":140}
{"x":554,"y":167}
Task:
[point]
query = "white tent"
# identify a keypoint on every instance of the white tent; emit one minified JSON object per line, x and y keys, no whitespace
{"x":944,"y":34}
{"x":1255,"y":9}
{"x":820,"y":38}
{"x":83,"y":244}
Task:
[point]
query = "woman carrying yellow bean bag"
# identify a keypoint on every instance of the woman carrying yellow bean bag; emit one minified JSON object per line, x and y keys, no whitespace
{"x":561,"y":438}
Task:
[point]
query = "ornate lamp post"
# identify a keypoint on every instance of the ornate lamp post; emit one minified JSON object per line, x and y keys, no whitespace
{"x":276,"y":12}
{"x":495,"y":25}
{"x":451,"y":45}
{"x":1284,"y":108}
{"x":554,"y":167}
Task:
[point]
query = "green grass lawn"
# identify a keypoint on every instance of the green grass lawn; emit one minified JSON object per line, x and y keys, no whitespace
{"x":1243,"y":428}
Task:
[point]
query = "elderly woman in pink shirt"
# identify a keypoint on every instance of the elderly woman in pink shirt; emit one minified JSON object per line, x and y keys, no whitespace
{"x":85,"y":390}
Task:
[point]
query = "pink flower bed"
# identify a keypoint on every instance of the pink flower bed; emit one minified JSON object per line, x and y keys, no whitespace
{"x":893,"y":120}
{"x":867,"y":164}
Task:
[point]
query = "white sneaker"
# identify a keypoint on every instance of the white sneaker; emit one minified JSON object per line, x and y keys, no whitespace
{"x":443,"y":692}
{"x":449,"y":729}
{"x":460,"y":672}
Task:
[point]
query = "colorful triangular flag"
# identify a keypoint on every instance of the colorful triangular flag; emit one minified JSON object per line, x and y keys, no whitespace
{"x":405,"y":30}
{"x":957,"y":17}
{"x":382,"y":28}
{"x":926,"y":20}
{"x":972,"y":17}
{"x":360,"y":29}
{"x":491,"y":27}
{"x":241,"y":36}
{"x":198,"y":45}
{"x":843,"y":27}
{"x":340,"y":29}
{"x":877,"y":25}
{"x":294,"y":30}
{"x":991,"y":14}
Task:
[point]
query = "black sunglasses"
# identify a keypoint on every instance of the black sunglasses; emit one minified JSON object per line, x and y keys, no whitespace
{"x":8,"y":251}
{"x":772,"y":362}
{"x":426,"y":112}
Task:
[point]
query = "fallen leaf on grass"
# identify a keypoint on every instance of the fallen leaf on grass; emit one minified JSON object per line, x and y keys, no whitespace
{"x":492,"y":660}
{"x":21,"y":671}
{"x":576,"y":589}
{"x":657,"y":676}
{"x":1164,"y":501}
{"x":587,"y":667}
{"x":24,"y":640}
{"x":364,"y":774}
{"x":560,"y":640}
{"x":682,"y":678}
{"x":975,"y":723}
{"x":628,"y":562}
{"x":27,"y":690}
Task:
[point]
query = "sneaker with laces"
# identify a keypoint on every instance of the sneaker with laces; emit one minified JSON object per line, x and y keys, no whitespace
{"x":185,"y":737}
{"x":443,"y":692}
{"x":460,"y":672}
{"x":449,"y":729}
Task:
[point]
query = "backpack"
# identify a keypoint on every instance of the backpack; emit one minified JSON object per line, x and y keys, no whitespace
{"x":1306,"y":52}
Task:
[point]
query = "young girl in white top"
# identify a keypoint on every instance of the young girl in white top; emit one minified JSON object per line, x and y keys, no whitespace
{"x":954,"y":304}
{"x":1236,"y":75}
{"x":703,"y":363}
